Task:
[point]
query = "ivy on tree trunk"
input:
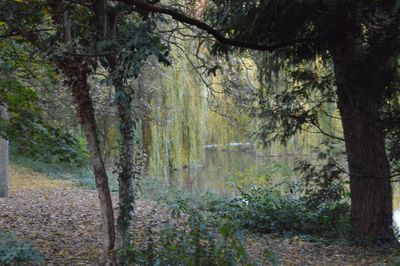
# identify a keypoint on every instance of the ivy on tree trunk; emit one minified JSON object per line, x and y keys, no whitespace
{"x":3,"y":158}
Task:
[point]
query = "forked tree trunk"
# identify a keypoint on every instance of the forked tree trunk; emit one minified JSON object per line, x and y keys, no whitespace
{"x":3,"y":159}
{"x":76,"y":75}
{"x":361,"y":82}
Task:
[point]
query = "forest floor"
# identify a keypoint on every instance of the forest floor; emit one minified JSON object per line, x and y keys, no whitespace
{"x":63,"y":221}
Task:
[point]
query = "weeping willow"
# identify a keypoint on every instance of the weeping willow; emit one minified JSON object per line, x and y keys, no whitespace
{"x":183,"y":115}
{"x":226,"y":121}
{"x":174,"y":134}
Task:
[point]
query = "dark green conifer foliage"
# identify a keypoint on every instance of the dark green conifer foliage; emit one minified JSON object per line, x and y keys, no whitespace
{"x":360,"y":39}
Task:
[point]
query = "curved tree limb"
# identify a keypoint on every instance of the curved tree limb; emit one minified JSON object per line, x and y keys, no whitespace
{"x":177,"y":15}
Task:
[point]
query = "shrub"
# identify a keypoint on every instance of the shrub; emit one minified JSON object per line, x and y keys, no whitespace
{"x":17,"y":252}
{"x":268,"y":211}
{"x":192,"y":238}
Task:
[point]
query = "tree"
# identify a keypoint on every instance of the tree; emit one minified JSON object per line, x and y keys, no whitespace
{"x":361,"y":40}
{"x":363,"y":58}
{"x":3,"y":159}
{"x":127,"y":42}
{"x":60,"y":42}
{"x":22,"y":121}
{"x":80,"y":38}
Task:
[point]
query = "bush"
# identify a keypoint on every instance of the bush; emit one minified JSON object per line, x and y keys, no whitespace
{"x":17,"y":252}
{"x":268,"y":211}
{"x":48,"y":144}
{"x":192,"y":238}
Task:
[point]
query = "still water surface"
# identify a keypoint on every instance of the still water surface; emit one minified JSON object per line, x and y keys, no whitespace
{"x":224,"y":171}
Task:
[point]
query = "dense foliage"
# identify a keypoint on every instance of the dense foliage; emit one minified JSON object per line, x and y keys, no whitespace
{"x":29,"y":125}
{"x":267,"y":211}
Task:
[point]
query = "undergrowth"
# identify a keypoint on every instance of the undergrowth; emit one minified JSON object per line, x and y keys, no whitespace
{"x":14,"y":251}
{"x":206,"y":229}
{"x":193,"y":236}
{"x":266,"y":210}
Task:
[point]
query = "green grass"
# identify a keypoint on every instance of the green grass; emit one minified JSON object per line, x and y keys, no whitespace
{"x":80,"y":176}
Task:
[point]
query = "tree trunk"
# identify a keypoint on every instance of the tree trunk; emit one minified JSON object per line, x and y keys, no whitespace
{"x":145,"y":81}
{"x":3,"y":159}
{"x":361,"y":82}
{"x":126,"y":164}
{"x":76,"y":74}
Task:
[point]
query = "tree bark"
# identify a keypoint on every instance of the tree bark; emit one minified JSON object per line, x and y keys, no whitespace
{"x":107,"y":25}
{"x":3,"y":159}
{"x":361,"y":80}
{"x":76,"y":74}
{"x":127,"y":168}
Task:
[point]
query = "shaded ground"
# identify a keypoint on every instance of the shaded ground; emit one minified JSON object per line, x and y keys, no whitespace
{"x":281,"y":251}
{"x":64,"y":222}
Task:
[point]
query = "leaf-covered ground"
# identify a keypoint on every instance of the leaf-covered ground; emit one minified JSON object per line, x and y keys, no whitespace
{"x":64,"y":222}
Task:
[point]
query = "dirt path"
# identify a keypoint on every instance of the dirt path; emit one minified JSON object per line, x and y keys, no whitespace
{"x":64,"y":222}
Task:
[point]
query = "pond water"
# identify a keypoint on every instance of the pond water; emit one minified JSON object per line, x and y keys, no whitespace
{"x":224,"y":171}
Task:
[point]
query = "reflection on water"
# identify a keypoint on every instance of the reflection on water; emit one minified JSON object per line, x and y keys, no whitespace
{"x":224,"y":171}
{"x":396,"y":204}
{"x":396,"y":217}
